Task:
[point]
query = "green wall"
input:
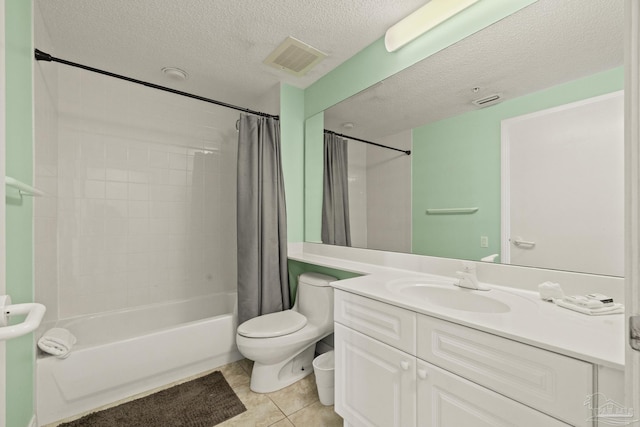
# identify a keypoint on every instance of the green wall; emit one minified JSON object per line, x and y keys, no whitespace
{"x":292,"y":138}
{"x":296,"y":268}
{"x":456,"y":163}
{"x":19,"y":238}
{"x":314,"y":165}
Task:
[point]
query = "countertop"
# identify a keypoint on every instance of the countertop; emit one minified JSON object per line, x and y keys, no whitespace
{"x":595,"y":339}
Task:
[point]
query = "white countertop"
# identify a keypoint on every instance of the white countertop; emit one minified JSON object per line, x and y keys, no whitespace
{"x":595,"y":339}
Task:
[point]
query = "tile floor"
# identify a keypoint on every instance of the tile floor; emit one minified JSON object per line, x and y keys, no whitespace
{"x":293,"y":406}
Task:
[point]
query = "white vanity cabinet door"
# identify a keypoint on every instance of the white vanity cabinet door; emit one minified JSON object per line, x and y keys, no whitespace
{"x":549,"y":382}
{"x":447,"y":400}
{"x":375,"y":384}
{"x":391,"y":325}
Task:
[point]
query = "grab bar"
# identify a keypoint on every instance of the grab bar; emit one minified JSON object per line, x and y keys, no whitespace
{"x":445,"y":211}
{"x":24,"y":189}
{"x":34,"y":311}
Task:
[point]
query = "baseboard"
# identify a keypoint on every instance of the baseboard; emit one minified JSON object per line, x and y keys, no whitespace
{"x":34,"y":422}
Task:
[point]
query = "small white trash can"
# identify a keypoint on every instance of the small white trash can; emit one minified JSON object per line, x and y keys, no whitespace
{"x":324,"y":368}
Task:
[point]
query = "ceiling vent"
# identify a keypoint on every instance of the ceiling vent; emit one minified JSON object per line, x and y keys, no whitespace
{"x":294,"y":57}
{"x":488,"y":100}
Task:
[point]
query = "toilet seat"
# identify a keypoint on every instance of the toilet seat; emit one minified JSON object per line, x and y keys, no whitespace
{"x":273,"y":324}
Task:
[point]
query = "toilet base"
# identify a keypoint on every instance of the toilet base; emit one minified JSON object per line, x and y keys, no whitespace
{"x":268,"y":378}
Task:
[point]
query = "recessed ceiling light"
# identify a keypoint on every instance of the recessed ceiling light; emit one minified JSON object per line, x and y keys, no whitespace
{"x":175,"y":73}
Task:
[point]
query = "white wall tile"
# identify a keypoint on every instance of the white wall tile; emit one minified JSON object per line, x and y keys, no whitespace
{"x":136,"y":196}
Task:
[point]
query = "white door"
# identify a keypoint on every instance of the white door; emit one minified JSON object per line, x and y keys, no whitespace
{"x":563,"y":187}
{"x":374,"y":383}
{"x":632,"y":199}
{"x":2,"y":214}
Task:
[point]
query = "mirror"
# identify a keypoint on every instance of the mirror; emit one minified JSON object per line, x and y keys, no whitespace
{"x":547,"y":63}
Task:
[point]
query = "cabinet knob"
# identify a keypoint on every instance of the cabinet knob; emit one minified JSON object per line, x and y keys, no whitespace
{"x":404,"y":365}
{"x":422,"y":373}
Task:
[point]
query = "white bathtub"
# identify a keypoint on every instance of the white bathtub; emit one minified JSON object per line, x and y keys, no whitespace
{"x":123,"y":353}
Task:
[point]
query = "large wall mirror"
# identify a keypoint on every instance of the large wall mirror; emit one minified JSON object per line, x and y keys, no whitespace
{"x":531,"y":173}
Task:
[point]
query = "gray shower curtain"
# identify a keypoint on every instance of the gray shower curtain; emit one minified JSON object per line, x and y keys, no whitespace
{"x":335,"y":195}
{"x":263,"y":280}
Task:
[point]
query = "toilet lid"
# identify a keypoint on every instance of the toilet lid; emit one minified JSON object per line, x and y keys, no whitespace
{"x":273,"y":325}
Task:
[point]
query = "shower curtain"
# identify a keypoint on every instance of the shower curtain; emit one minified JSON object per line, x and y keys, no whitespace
{"x":335,"y":194}
{"x":263,"y":280}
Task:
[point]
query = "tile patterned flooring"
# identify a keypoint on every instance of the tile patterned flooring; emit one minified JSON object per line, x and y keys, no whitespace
{"x":294,"y":406}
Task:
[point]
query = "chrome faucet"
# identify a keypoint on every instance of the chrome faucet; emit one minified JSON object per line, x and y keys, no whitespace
{"x":469,"y":279}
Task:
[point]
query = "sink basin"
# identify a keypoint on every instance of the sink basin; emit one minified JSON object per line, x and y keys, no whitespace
{"x":449,"y":296}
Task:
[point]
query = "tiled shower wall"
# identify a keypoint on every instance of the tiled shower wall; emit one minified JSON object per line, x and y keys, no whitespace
{"x":389,"y":194}
{"x":380,"y":194}
{"x":45,"y":212}
{"x":146,"y":195}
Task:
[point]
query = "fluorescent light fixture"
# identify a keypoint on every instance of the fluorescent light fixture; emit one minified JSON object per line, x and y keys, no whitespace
{"x":422,"y":20}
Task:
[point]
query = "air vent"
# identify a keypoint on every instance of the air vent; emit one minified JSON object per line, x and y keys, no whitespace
{"x":294,"y":57}
{"x":488,"y":100}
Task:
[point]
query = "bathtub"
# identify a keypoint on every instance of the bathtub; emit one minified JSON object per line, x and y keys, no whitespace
{"x":122,"y":353}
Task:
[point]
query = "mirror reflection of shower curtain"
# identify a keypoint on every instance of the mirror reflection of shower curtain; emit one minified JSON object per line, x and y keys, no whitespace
{"x":335,"y":197}
{"x":263,"y":278}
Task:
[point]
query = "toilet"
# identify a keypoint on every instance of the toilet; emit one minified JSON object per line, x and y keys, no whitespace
{"x":282,"y":344}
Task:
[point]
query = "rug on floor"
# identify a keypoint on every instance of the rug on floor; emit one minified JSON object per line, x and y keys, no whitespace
{"x":203,"y":402}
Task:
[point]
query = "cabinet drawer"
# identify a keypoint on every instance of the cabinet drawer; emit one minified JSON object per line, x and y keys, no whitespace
{"x":552,"y":383}
{"x":446,"y":400}
{"x":391,"y":325}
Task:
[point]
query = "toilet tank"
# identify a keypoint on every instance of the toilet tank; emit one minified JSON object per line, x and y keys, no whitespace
{"x":315,"y":298}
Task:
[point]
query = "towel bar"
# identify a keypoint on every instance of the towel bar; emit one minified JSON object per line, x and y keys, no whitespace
{"x":24,"y":189}
{"x":445,"y":211}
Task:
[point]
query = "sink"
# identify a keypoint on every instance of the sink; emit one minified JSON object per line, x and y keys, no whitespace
{"x":449,"y":296}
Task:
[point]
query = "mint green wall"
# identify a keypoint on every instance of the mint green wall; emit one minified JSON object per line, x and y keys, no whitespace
{"x":456,"y":163}
{"x":374,"y":63}
{"x":19,"y":239}
{"x":292,"y":138}
{"x":296,"y":268}
{"x":313,"y":160}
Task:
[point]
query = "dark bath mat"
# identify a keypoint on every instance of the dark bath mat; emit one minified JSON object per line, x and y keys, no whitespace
{"x":203,"y":402}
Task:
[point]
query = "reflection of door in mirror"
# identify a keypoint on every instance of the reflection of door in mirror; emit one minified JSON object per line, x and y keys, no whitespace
{"x":563,"y":195}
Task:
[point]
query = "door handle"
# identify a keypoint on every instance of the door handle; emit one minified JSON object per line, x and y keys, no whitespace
{"x":634,"y":332}
{"x":404,"y":365}
{"x":524,"y":244}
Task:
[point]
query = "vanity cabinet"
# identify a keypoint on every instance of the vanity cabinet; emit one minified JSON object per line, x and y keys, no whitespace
{"x":378,"y":388}
{"x":395,"y":367}
{"x":448,"y":400}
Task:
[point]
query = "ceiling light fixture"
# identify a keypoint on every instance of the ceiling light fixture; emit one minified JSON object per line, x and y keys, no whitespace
{"x":175,"y":73}
{"x":422,"y":20}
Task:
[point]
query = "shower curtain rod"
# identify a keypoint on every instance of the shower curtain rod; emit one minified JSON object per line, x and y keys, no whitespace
{"x":407,"y":152}
{"x":42,"y":56}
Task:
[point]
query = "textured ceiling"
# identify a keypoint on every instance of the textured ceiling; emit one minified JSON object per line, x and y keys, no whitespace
{"x":545,"y":44}
{"x":221,"y":43}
